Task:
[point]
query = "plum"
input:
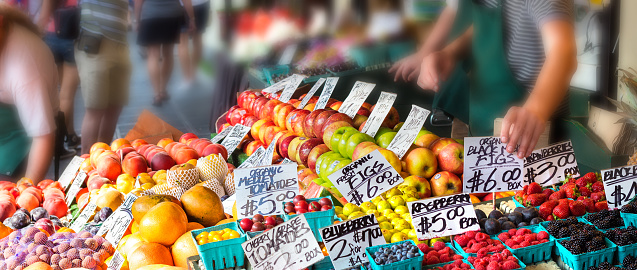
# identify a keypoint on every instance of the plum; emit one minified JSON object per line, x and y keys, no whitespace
{"x":20,"y":220}
{"x":492,"y":226}
{"x":38,"y":213}
{"x":103,"y":214}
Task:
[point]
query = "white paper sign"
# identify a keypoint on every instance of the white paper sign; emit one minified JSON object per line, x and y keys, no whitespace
{"x":488,"y":167}
{"x":287,"y":161}
{"x":128,"y":202}
{"x":234,"y":138}
{"x":346,"y":241}
{"x":310,"y":94}
{"x":356,"y":98}
{"x":277,"y":86}
{"x":365,"y":178}
{"x":127,"y":205}
{"x":291,"y":87}
{"x":288,"y":54}
{"x":254,"y":160}
{"x":263,"y":190}
{"x":75,"y":187}
{"x":266,"y":160}
{"x":69,"y":171}
{"x":443,"y":216}
{"x":121,"y":222}
{"x":408,"y":132}
{"x":550,"y":165}
{"x":620,"y":185}
{"x":330,"y":84}
{"x":288,"y":246}
{"x":376,"y":118}
{"x":81,"y":220}
{"x":221,"y":135}
{"x":116,"y":262}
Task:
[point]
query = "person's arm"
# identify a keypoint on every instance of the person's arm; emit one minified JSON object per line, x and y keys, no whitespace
{"x":138,"y":13}
{"x":40,"y":156}
{"x":46,"y":12}
{"x":191,"y":14}
{"x":437,"y":66}
{"x":523,"y":125}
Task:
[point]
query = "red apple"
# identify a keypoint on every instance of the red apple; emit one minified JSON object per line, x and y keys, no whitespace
{"x":308,"y":124}
{"x":282,"y":115}
{"x":284,"y":148}
{"x":421,"y":162}
{"x":306,"y":148}
{"x":445,"y":183}
{"x":319,"y":122}
{"x":314,"y":154}
{"x":439,"y":144}
{"x":451,"y":158}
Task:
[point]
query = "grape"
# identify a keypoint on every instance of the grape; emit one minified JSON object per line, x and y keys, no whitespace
{"x":38,"y":213}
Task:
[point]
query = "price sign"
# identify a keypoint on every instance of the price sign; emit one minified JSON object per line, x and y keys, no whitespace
{"x":116,"y":262}
{"x":620,"y":185}
{"x":277,"y":86}
{"x":121,"y":222}
{"x":81,"y":220}
{"x":330,"y":84}
{"x":107,"y":225}
{"x":488,"y":167}
{"x":289,"y":89}
{"x":221,"y":135}
{"x":346,"y":241}
{"x":253,"y":160}
{"x":69,"y":171}
{"x":310,"y":94}
{"x":443,"y":216}
{"x":365,"y":178}
{"x":549,"y":165}
{"x":110,"y":221}
{"x":269,"y":154}
{"x":288,"y":246}
{"x":408,"y":132}
{"x":234,"y":138}
{"x":376,"y":118}
{"x":356,"y":98}
{"x":263,"y":190}
{"x":288,"y":54}
{"x":287,"y":161}
{"x":75,"y":187}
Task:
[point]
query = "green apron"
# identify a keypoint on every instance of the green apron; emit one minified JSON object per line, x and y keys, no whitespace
{"x":453,"y":98}
{"x":494,"y":89}
{"x":14,"y":142}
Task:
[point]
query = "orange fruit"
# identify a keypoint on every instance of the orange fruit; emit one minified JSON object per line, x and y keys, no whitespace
{"x":182,"y":249}
{"x":163,"y":223}
{"x":149,"y":254}
{"x":194,"y":226}
{"x":130,"y":244}
{"x":227,"y":220}
{"x":39,"y":266}
{"x":161,"y":267}
{"x":99,"y":145}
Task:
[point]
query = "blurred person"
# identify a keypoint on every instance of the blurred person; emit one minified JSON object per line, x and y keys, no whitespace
{"x":159,"y":25}
{"x":64,"y":56}
{"x":103,"y":60}
{"x":28,"y":98}
{"x":190,"y":59}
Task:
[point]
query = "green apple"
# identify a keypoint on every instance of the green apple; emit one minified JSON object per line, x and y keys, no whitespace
{"x":381,"y":131}
{"x":325,"y":164}
{"x":354,"y":141}
{"x":342,"y":144}
{"x":422,"y":132}
{"x":398,"y":126}
{"x":460,"y":141}
{"x":393,"y":192}
{"x":322,"y":158}
{"x":396,"y":201}
{"x":336,"y":166}
{"x":384,"y":140}
{"x":336,"y":137}
{"x":368,"y":206}
{"x":350,"y":208}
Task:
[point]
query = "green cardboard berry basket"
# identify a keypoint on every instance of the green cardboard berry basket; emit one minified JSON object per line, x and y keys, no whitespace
{"x":520,"y":262}
{"x":317,"y":220}
{"x":534,"y":253}
{"x":223,"y":254}
{"x":325,"y":264}
{"x":630,"y":219}
{"x":585,"y":260}
{"x":623,"y":251}
{"x":414,"y":263}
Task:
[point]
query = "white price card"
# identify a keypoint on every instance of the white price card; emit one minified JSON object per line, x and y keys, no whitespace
{"x":75,"y":187}
{"x":376,"y":118}
{"x":116,"y":262}
{"x":365,"y":178}
{"x":443,"y":216}
{"x":346,"y":241}
{"x":120,"y":225}
{"x":70,"y":170}
{"x":620,"y":185}
{"x":408,"y":132}
{"x":128,"y":202}
{"x":356,"y":98}
{"x":488,"y":167}
{"x":310,"y":94}
{"x":221,"y":135}
{"x":266,"y":160}
{"x":288,"y":246}
{"x":277,"y":86}
{"x":127,"y":205}
{"x":330,"y":84}
{"x":233,"y":139}
{"x":263,"y":190}
{"x":291,"y":87}
{"x":550,"y":165}
{"x":81,"y":220}
{"x":287,"y":161}
{"x":288,"y":54}
{"x":107,"y":225}
{"x":254,"y":160}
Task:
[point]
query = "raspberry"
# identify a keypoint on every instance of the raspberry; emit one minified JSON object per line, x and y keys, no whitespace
{"x":522,"y":231}
{"x":493,"y":266}
{"x":444,"y":258}
{"x":507,"y":253}
{"x":432,"y":260}
{"x":439,"y":245}
{"x":496,"y":257}
{"x":482,"y":253}
{"x":525,"y":244}
{"x":534,"y":242}
{"x":433,"y":253}
{"x":471,"y":234}
{"x":509,"y":265}
{"x":511,"y":242}
{"x":512,"y":231}
{"x":529,"y":237}
{"x":542,"y":235}
{"x":471,"y":242}
{"x":462,"y":240}
{"x":481,"y":236}
{"x":504,"y":236}
{"x":457,"y":257}
{"x":446,"y":250}
{"x":544,"y":240}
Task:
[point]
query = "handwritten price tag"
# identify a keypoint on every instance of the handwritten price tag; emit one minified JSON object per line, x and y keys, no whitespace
{"x":356,"y":98}
{"x":75,"y":187}
{"x":263,"y":190}
{"x":443,"y":216}
{"x":81,"y":220}
{"x":109,"y":223}
{"x":116,"y":262}
{"x":408,"y":132}
{"x":266,"y":160}
{"x":69,"y":171}
{"x":346,"y":241}
{"x":310,"y":94}
{"x":121,"y":222}
{"x":277,"y":86}
{"x":288,"y":246}
{"x":376,"y":118}
{"x":549,"y":165}
{"x":365,"y":178}
{"x":620,"y":185}
{"x":488,"y":167}
{"x":221,"y":135}
{"x":234,"y":138}
{"x":128,"y":202}
{"x":291,"y":87}
{"x":287,"y":161}
{"x":254,"y":160}
{"x":330,"y":84}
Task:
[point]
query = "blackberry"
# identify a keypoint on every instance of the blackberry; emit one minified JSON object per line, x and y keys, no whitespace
{"x":630,"y":262}
{"x":573,"y":246}
{"x":597,"y":243}
{"x":622,"y":237}
{"x":606,"y":219}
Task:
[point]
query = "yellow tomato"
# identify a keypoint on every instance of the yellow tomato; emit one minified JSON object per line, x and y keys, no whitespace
{"x":193,"y":162}
{"x":233,"y":235}
{"x":201,"y":235}
{"x":202,"y":241}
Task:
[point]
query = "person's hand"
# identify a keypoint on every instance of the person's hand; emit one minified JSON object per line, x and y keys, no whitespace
{"x":435,"y":69}
{"x":407,"y":68}
{"x":521,"y":127}
{"x":191,"y":26}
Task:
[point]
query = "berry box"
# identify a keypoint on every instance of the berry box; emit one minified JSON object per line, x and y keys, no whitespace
{"x":433,"y":267}
{"x":414,"y":263}
{"x":625,"y":250}
{"x":223,"y":254}
{"x":585,"y":220}
{"x":585,"y":260}
{"x":317,"y":220}
{"x":630,"y":219}
{"x":533,"y":253}
{"x":324,"y":264}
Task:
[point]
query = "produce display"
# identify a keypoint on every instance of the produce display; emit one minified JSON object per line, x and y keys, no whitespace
{"x":216,"y":236}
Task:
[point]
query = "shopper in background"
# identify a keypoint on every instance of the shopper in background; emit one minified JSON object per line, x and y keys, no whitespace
{"x":64,"y":56}
{"x":105,"y":69}
{"x":28,"y":98}
{"x":159,"y":27}
{"x":189,"y":59}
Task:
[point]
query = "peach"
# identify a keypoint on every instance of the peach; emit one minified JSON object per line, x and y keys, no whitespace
{"x":163,"y":142}
{"x":143,"y":148}
{"x":119,"y":143}
{"x":200,"y":147}
{"x":56,"y":207}
{"x":28,"y":201}
{"x":6,"y":210}
{"x":186,"y":137}
{"x":86,"y":165}
{"x":138,"y":143}
{"x":96,"y":182}
{"x":109,"y":167}
{"x":134,"y":164}
{"x":215,"y":149}
{"x":53,"y":186}
{"x":122,"y":152}
{"x":183,"y":155}
{"x":82,"y":200}
{"x":95,"y":155}
{"x":35,"y":192}
{"x":169,"y":146}
{"x":161,"y":161}
{"x":99,"y":145}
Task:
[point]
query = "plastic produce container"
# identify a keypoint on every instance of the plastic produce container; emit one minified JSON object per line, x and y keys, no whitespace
{"x":534,"y":253}
{"x":223,"y":254}
{"x":317,"y":220}
{"x":414,"y":263}
{"x":325,"y":264}
{"x":585,"y":260}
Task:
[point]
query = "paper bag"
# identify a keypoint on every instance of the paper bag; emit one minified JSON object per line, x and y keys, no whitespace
{"x":151,"y":128}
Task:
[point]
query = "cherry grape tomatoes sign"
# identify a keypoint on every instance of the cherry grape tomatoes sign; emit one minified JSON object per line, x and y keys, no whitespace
{"x":346,"y":241}
{"x":365,"y":178}
{"x":488,"y":167}
{"x":288,"y":246}
{"x":550,"y":165}
{"x":443,"y":216}
{"x":235,"y":137}
{"x":620,"y":185}
{"x":263,"y":190}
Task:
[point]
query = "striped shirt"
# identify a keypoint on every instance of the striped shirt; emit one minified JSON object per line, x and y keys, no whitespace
{"x":106,"y":17}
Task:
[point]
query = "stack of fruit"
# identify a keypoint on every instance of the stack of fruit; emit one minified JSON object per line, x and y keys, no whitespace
{"x":503,"y":260}
{"x":566,"y":227}
{"x":216,"y":236}
{"x":497,"y":222}
{"x":523,"y":238}
{"x":477,"y":242}
{"x":584,"y":241}
{"x":440,"y":253}
{"x":622,"y":236}
{"x":606,"y":219}
{"x":259,"y":223}
{"x":38,"y":217}
{"x":25,"y":195}
{"x":396,"y":253}
{"x":300,"y":206}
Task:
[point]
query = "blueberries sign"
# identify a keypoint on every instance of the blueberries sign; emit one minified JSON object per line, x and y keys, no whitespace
{"x":346,"y":241}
